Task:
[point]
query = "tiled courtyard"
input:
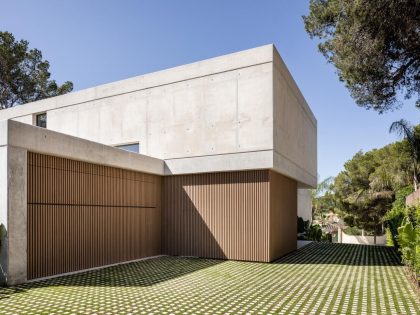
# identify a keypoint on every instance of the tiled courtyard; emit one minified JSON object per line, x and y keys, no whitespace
{"x":317,"y":279}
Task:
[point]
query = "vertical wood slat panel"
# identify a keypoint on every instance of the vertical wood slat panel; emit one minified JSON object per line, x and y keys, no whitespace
{"x":217,"y":215}
{"x":82,"y":215}
{"x":283,"y":214}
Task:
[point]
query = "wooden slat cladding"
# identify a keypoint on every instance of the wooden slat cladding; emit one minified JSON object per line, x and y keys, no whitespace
{"x":217,"y":215}
{"x":55,"y":180}
{"x":283,"y":215}
{"x":82,"y":215}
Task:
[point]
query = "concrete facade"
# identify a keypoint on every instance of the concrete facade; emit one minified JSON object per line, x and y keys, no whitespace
{"x":238,"y":112}
{"x":304,"y":206}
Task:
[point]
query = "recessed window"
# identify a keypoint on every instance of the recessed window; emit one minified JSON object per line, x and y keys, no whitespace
{"x":41,"y":120}
{"x":132,"y":147}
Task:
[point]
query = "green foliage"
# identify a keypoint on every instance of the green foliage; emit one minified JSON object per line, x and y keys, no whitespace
{"x":323,"y":200}
{"x":311,"y":232}
{"x":389,"y":238}
{"x":352,"y":230}
{"x":349,"y":220}
{"x":395,"y":216}
{"x":314,"y":233}
{"x":374,"y":46}
{"x":365,"y":190}
{"x":412,"y":137}
{"x":24,"y":76}
{"x":302,"y":225}
{"x":407,"y":241}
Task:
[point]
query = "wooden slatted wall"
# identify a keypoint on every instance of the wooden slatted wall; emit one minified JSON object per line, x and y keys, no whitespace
{"x":217,"y":215}
{"x":83,"y":215}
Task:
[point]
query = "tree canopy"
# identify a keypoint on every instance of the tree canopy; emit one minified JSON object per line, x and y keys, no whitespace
{"x":374,"y":45}
{"x":24,"y":75}
{"x":366,"y":188}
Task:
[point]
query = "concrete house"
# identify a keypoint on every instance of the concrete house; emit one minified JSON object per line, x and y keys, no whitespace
{"x":204,"y":159}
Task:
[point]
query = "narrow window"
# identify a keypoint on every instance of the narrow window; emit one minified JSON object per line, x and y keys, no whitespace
{"x":41,"y":120}
{"x":132,"y":147}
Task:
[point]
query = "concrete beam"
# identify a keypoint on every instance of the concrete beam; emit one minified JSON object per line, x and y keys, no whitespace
{"x":220,"y":163}
{"x":45,"y":141}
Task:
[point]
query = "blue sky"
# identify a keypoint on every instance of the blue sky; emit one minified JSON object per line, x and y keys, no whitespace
{"x":94,"y":42}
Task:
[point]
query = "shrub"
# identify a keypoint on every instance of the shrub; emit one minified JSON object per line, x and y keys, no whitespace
{"x":389,"y":237}
{"x":409,"y":240}
{"x":352,"y":231}
{"x":398,"y":212}
{"x":302,"y":225}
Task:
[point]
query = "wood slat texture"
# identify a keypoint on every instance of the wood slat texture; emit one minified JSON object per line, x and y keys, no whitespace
{"x":217,"y":215}
{"x":283,"y":215}
{"x":83,"y":215}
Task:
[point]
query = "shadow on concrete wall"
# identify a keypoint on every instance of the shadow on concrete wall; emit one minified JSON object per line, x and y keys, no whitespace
{"x":342,"y":254}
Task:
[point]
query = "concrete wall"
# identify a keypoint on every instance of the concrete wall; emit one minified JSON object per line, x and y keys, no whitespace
{"x":304,"y":205}
{"x":16,"y":215}
{"x":45,"y":141}
{"x":362,"y":240}
{"x":221,"y":114}
{"x":295,"y":128}
{"x":219,"y":106}
{"x":3,"y":209}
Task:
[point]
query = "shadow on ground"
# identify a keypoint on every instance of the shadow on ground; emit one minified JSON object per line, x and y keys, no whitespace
{"x":156,"y":270}
{"x":141,"y":273}
{"x":342,"y":254}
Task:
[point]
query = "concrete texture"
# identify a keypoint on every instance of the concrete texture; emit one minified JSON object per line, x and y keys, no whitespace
{"x":45,"y":141}
{"x":362,"y":239}
{"x":295,"y":128}
{"x":221,"y":163}
{"x":205,"y":112}
{"x":3,"y":211}
{"x":17,"y":212}
{"x":304,"y":206}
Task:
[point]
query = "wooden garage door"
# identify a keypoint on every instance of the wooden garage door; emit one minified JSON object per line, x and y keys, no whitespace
{"x":83,"y":215}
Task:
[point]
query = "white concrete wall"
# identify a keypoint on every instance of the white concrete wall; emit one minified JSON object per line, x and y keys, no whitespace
{"x":50,"y":142}
{"x":295,"y":129}
{"x":304,"y":204}
{"x":3,"y":185}
{"x":363,"y":240}
{"x":221,"y":114}
{"x":17,"y":214}
{"x":3,"y":209}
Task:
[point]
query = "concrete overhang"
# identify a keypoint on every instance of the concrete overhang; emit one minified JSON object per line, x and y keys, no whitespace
{"x":41,"y":140}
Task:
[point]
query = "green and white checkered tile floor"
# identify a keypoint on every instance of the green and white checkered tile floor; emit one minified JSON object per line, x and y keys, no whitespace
{"x":317,"y":279}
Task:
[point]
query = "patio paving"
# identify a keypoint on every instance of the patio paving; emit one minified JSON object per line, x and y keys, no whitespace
{"x":319,"y":278}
